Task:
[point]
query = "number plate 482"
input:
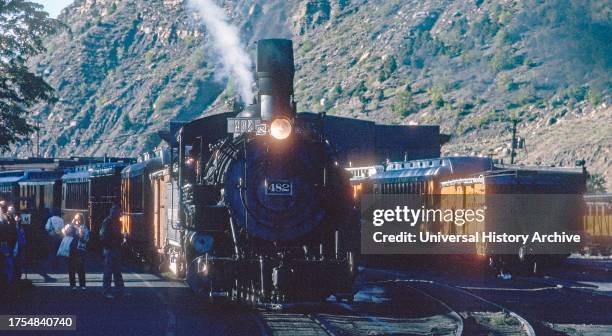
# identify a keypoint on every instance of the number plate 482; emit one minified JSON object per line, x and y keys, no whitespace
{"x":280,"y":188}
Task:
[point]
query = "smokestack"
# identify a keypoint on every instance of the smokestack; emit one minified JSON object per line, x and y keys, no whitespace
{"x":275,"y":73}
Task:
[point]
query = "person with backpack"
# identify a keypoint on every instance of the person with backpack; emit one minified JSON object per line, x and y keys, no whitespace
{"x":78,"y":247}
{"x":54,"y":227}
{"x":112,"y":240}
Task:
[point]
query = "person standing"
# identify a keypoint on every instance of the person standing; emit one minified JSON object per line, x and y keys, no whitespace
{"x":112,"y":239}
{"x":8,"y":242}
{"x":19,"y":251}
{"x":76,"y":259}
{"x":54,"y":227}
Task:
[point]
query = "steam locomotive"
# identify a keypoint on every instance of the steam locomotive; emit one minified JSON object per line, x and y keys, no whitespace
{"x":266,"y":211}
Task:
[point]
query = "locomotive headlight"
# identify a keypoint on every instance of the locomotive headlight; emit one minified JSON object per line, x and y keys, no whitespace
{"x":280,"y":129}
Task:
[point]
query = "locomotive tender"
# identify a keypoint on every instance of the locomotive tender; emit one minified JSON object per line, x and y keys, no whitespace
{"x":266,"y":214}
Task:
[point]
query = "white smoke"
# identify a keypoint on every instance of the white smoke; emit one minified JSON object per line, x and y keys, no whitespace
{"x":235,"y":62}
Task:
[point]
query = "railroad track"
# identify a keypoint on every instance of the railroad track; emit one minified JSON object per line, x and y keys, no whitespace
{"x":352,"y":323}
{"x":478,"y":315}
{"x":467,"y":311}
{"x":368,"y":315}
{"x":554,"y":282}
{"x":292,"y":324}
{"x":561,"y":279}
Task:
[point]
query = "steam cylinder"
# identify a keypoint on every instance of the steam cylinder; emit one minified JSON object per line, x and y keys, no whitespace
{"x":275,"y":72}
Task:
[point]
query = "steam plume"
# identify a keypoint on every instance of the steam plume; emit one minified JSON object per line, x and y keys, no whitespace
{"x":235,"y":62}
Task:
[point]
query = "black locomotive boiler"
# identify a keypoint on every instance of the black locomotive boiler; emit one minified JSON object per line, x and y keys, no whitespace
{"x":266,"y":211}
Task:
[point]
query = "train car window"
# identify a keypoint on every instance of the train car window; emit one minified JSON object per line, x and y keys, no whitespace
{"x":75,"y":196}
{"x":22,"y":191}
{"x":134,"y":194}
{"x":124,"y":192}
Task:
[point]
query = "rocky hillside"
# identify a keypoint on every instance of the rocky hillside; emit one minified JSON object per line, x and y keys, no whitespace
{"x":122,"y":69}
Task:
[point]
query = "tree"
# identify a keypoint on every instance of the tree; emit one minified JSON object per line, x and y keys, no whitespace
{"x":596,"y":184}
{"x":23,"y":24}
{"x":403,"y":103}
{"x":388,"y":68}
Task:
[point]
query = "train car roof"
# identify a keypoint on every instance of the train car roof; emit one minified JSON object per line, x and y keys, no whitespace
{"x":606,"y":198}
{"x":12,"y":173}
{"x":140,"y":168}
{"x":506,"y":174}
{"x":416,"y":170}
{"x":160,"y":172}
{"x":538,"y":169}
{"x":543,"y":175}
{"x":11,"y":176}
{"x":30,"y":175}
{"x":553,"y":180}
{"x":109,"y":168}
{"x":76,"y":176}
{"x":407,"y":175}
{"x":40,"y":177}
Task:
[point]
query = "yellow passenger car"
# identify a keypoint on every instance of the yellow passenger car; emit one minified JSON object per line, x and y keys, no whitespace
{"x":597,"y":223}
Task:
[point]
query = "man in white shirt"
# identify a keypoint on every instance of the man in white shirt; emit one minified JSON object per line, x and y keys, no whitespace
{"x":54,"y":227}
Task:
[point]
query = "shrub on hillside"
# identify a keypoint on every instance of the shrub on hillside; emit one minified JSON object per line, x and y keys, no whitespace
{"x":594,"y":97}
{"x":403,"y":104}
{"x":504,"y":59}
{"x":436,"y":96}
